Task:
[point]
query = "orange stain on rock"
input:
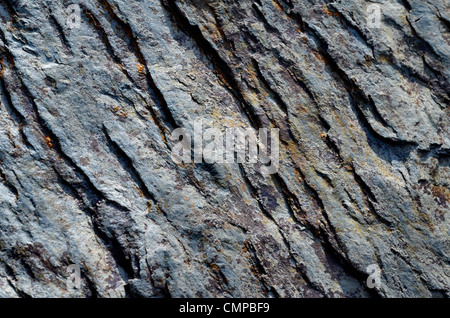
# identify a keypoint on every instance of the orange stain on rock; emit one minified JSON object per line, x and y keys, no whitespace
{"x":49,"y":142}
{"x":141,"y":69}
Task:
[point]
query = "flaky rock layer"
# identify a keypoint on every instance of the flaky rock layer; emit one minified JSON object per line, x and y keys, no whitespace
{"x":88,"y":103}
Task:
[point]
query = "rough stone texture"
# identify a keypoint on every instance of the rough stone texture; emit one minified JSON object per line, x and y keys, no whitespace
{"x":87,"y":178}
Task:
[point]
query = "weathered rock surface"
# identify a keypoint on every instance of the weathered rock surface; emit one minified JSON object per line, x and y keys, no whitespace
{"x":86,"y":175}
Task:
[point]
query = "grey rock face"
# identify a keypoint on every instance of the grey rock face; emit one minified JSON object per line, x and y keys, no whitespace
{"x":90,"y":92}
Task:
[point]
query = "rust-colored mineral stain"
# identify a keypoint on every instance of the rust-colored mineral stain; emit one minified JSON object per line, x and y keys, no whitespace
{"x":149,"y":207}
{"x":319,"y":56}
{"x":278,"y":6}
{"x":441,"y":194}
{"x":2,"y":68}
{"x":48,"y":141}
{"x":141,"y":69}
{"x":141,"y":194}
{"x":332,"y":13}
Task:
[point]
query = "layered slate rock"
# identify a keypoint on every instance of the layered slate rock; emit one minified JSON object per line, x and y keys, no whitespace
{"x":87,"y":177}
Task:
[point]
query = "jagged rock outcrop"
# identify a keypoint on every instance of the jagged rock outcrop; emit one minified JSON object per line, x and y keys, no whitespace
{"x":88,"y":103}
